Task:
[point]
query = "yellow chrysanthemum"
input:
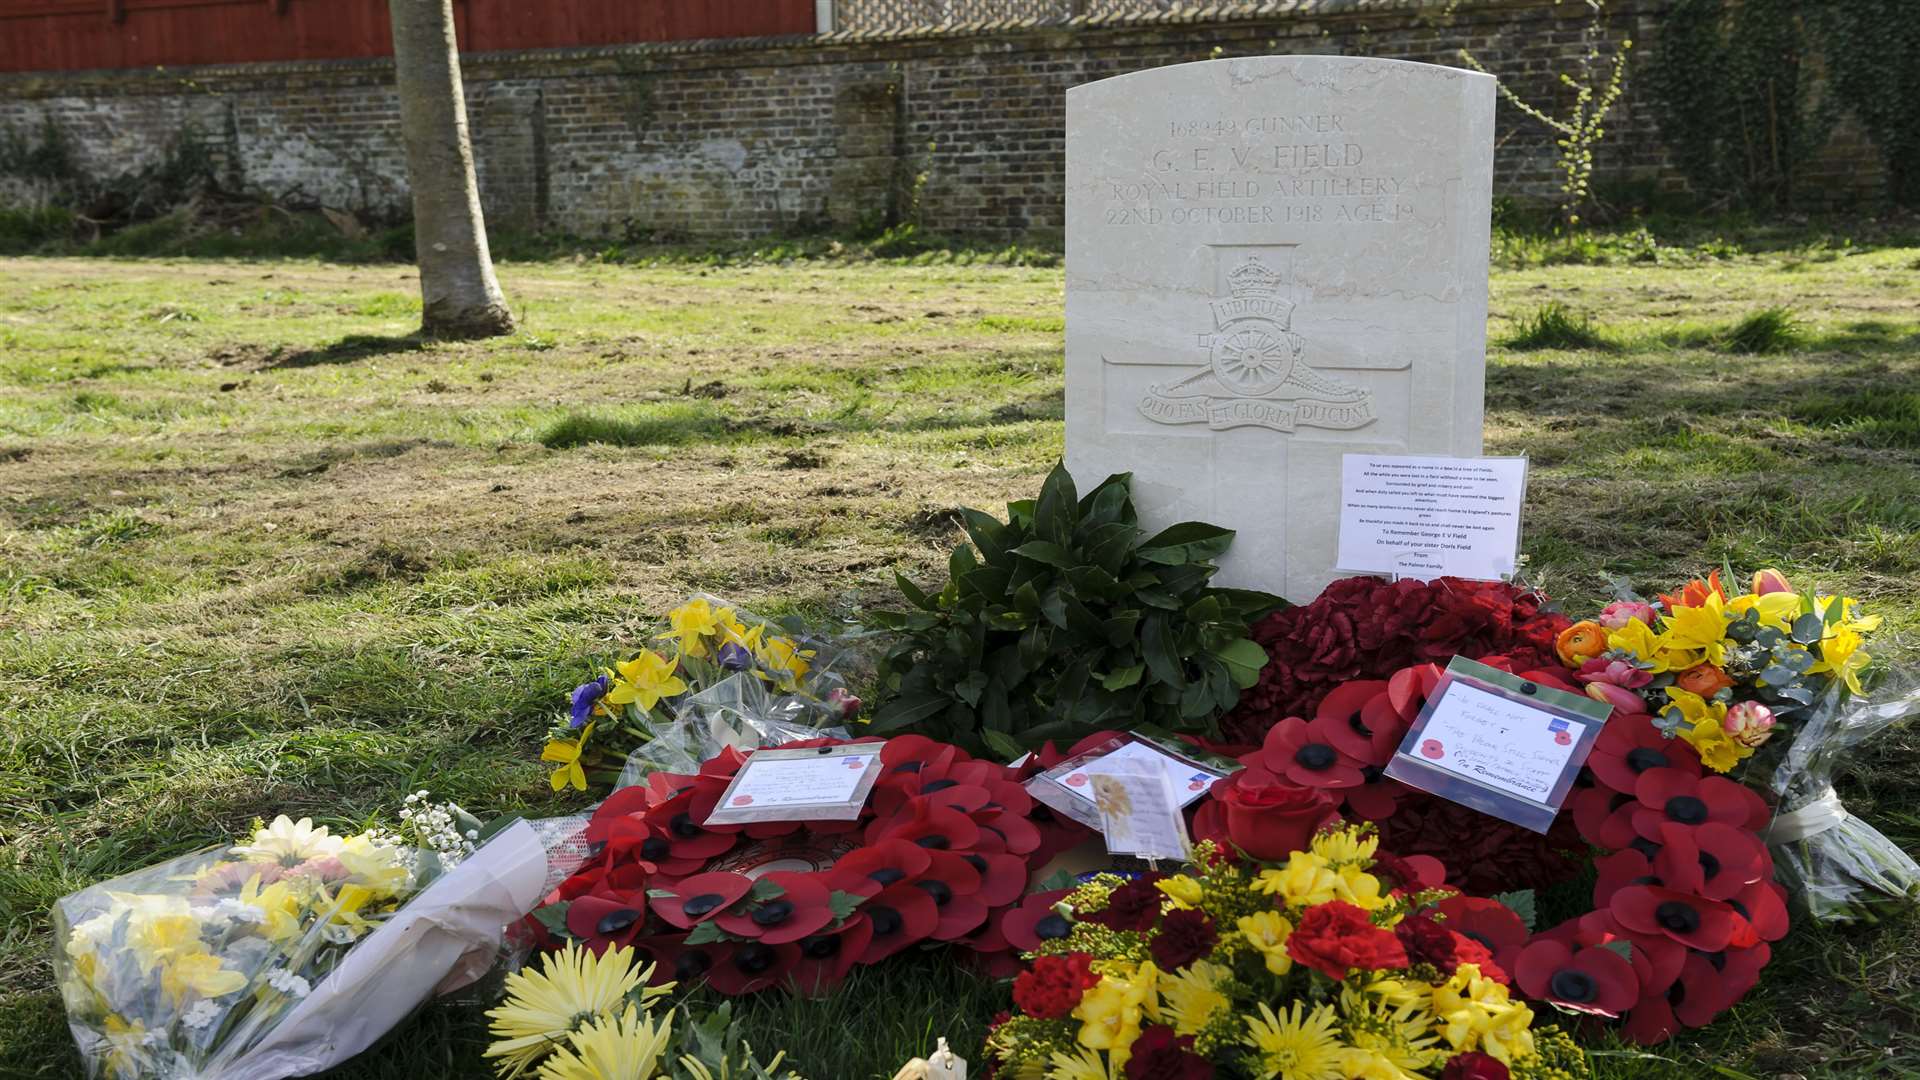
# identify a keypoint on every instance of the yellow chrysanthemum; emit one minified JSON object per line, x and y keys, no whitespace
{"x":1085,"y":1065}
{"x":1306,"y":880}
{"x":573,"y":987}
{"x":1291,"y":1047}
{"x":373,"y":865}
{"x":644,"y":680}
{"x":1386,"y":1042}
{"x":1192,"y":998}
{"x":1267,"y":932}
{"x":1398,"y":993}
{"x":626,"y":1047}
{"x":1185,"y":892}
{"x":1346,"y":847}
{"x":290,"y":843}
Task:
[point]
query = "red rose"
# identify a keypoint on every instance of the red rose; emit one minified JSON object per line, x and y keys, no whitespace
{"x":1159,"y":1054}
{"x":1267,"y":818}
{"x":1336,"y":937}
{"x":1474,"y":1065}
{"x":1054,"y":986}
{"x":1185,"y":936}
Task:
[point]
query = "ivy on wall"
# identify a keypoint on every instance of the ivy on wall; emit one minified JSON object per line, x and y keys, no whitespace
{"x":1873,"y":65}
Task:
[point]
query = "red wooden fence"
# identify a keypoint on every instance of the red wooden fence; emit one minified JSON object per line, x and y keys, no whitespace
{"x":56,"y":35}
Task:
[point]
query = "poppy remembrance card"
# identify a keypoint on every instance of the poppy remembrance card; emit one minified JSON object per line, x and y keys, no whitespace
{"x":817,"y":782}
{"x":1499,"y":743}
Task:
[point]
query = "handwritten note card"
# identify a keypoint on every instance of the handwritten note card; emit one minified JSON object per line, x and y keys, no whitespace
{"x":1139,"y":814}
{"x":1428,"y":517}
{"x":828,"y":782}
{"x":1499,"y":743}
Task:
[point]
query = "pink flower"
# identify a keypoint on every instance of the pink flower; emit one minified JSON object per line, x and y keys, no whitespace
{"x":1620,"y":612}
{"x":1748,"y":723}
{"x":1613,"y":682}
{"x":1770,"y":581}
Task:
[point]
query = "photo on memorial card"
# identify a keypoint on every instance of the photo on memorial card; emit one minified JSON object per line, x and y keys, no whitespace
{"x":1068,"y":786}
{"x":1499,"y":743}
{"x":814,"y":783}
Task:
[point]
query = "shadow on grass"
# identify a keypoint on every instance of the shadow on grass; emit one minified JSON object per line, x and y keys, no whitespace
{"x":684,"y":424}
{"x":349,"y":349}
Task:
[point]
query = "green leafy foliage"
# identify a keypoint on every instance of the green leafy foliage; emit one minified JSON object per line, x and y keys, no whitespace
{"x":1065,"y":619}
{"x":1522,"y":903}
{"x":1873,"y":51}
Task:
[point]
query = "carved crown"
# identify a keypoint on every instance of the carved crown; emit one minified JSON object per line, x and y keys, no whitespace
{"x":1252,"y":278}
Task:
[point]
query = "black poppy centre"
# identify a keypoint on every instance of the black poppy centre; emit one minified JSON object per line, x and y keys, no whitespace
{"x":1315,"y":756}
{"x":1572,"y":984}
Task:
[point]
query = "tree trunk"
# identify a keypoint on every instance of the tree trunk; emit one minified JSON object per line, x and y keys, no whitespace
{"x":459,"y":296}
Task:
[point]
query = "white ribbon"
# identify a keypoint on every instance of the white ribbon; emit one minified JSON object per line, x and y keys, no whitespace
{"x":1812,"y":819}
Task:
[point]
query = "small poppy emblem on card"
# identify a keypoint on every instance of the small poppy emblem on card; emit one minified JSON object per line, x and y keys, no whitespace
{"x":1563,"y":738}
{"x":856,"y":763}
{"x":1077,"y":780}
{"x":1431,"y":748}
{"x":742,"y":800}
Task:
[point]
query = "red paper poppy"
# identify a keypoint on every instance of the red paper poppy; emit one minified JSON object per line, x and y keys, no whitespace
{"x":1621,"y":869}
{"x":1716,"y":861}
{"x":1377,"y":799}
{"x":602,"y":921}
{"x":954,"y":885}
{"x":1693,"y":921}
{"x":1594,"y":811}
{"x":676,"y":961}
{"x":1034,"y":921}
{"x":932,"y":828}
{"x":867,"y":870}
{"x":745,"y":966}
{"x":827,"y":956}
{"x":1656,"y":960}
{"x":803,"y":908}
{"x":900,"y":915}
{"x":701,"y":897}
{"x":686,"y":838}
{"x":1002,"y":877}
{"x":1409,"y":688}
{"x":1596,"y":980}
{"x":1489,"y":922}
{"x":1670,"y":796}
{"x":1006,"y":831}
{"x":1651,"y":1020}
{"x":1294,"y":751}
{"x":1762,"y":907}
{"x":1630,"y":745}
{"x":1713,"y":982}
{"x":1342,"y":720}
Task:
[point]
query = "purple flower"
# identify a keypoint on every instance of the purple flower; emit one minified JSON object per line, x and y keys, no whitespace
{"x":585,"y":696}
{"x":734,"y":656}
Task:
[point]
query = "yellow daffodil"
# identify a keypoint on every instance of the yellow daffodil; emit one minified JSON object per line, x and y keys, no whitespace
{"x":290,"y":843}
{"x":1292,"y":1047}
{"x":1638,"y":640}
{"x":344,"y":908}
{"x":566,"y":753}
{"x":1182,"y":890}
{"x":1267,"y":932}
{"x":126,"y":1046}
{"x":156,"y":939}
{"x":280,"y":905}
{"x":1850,"y":617}
{"x":1775,"y":609}
{"x":200,"y":973}
{"x":1718,"y":750}
{"x":1346,"y":847}
{"x":1305,"y":881}
{"x":782,"y":655}
{"x":1841,"y":658}
{"x":693,"y":623}
{"x":644,"y":680}
{"x":1192,"y":998}
{"x":1700,"y":629}
{"x":1111,"y":1011}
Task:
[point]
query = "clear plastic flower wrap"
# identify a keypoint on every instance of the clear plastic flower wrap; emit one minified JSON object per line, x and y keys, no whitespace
{"x":1841,"y":868}
{"x":712,"y":667}
{"x":289,"y":952}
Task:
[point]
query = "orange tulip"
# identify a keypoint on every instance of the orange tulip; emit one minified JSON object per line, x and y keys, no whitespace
{"x":1696,"y":592}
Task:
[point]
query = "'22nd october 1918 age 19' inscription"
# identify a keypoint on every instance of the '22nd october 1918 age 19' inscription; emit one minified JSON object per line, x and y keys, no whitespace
{"x":1306,"y":169}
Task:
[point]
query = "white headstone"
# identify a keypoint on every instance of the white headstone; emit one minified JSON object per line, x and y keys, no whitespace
{"x":1273,"y":261}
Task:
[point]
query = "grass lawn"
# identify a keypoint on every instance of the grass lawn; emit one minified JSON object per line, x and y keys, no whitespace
{"x":262,"y":552}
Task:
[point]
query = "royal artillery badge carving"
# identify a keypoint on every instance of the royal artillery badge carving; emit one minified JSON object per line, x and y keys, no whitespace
{"x":1257,"y":373}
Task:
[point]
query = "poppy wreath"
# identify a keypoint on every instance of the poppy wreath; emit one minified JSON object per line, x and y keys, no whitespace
{"x":941,"y":853}
{"x":1684,"y":906}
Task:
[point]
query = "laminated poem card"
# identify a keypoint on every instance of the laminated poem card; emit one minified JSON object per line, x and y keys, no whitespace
{"x":1499,"y":743}
{"x":1068,"y":786}
{"x":1429,"y":517}
{"x":829,"y":782}
{"x":1139,"y":813}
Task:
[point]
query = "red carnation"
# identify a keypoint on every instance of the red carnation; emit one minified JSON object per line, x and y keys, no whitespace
{"x":1335,"y":937}
{"x":1054,"y":985}
{"x":1596,"y":980}
{"x":1184,"y":936}
{"x":1133,"y":906}
{"x":1159,"y":1054}
{"x":1474,"y":1065}
{"x":1426,"y":942}
{"x":1468,"y":951}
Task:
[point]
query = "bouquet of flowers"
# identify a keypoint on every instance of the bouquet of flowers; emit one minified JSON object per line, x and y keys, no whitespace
{"x":1726,"y":676}
{"x":734,"y":679}
{"x":1339,"y":961}
{"x":290,"y":951}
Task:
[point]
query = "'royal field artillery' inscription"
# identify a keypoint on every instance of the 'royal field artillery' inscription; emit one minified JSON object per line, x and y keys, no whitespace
{"x":1271,"y":262}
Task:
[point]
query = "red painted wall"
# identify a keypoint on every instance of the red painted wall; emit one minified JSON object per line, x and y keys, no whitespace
{"x":65,"y":35}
